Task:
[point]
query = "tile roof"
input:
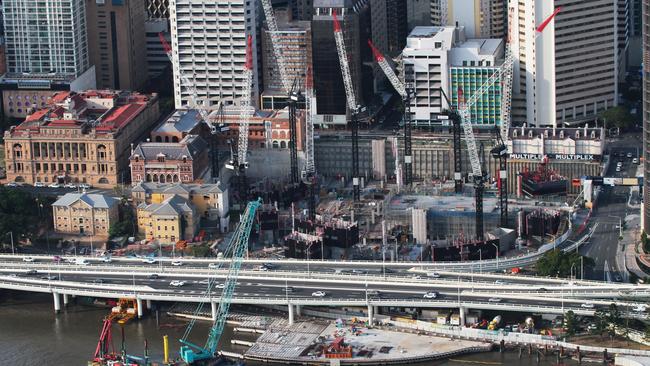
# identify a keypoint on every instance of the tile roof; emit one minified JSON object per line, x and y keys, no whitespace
{"x":93,"y":200}
{"x":177,"y":188}
{"x":180,"y":121}
{"x":172,"y":206}
{"x":190,"y":146}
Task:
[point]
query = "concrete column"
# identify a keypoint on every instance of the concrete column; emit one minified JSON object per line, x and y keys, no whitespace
{"x":57,"y":302}
{"x":139,"y":305}
{"x":214,"y":307}
{"x":65,"y":299}
{"x":291,"y":315}
{"x":371,"y":311}
{"x":462,"y":316}
{"x":148,"y":304}
{"x":298,"y":312}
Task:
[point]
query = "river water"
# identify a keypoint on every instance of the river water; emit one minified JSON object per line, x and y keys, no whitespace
{"x":31,"y":334}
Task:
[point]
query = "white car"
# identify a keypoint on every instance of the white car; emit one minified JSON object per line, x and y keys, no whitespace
{"x":220,"y":285}
{"x":107,"y":259}
{"x":619,"y":164}
{"x":587,"y":305}
{"x":629,"y":155}
{"x":635,"y":161}
{"x":213,"y":265}
{"x":433,"y":274}
{"x":177,"y":263}
{"x":12,"y":184}
{"x":494,"y":299}
{"x":177,"y":283}
{"x":148,"y":260}
{"x":70,"y":185}
{"x":618,"y":169}
{"x":500,"y":282}
{"x":418,"y":277}
{"x":54,"y":185}
{"x":39,"y":184}
{"x":85,"y":185}
{"x":431,"y":295}
{"x":28,"y":259}
{"x":318,"y":294}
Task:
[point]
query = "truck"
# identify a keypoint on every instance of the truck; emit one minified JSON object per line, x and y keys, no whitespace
{"x":455,"y":319}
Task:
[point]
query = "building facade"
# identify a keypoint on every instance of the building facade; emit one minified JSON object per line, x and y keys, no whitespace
{"x":116,"y":43}
{"x":568,"y":73}
{"x":295,"y":45}
{"x":80,"y":137}
{"x":169,"y":221}
{"x":210,"y":200}
{"x":46,"y":50}
{"x":85,"y":214}
{"x":645,"y":14}
{"x":184,"y":161}
{"x":441,"y":59}
{"x":209,"y":48}
{"x":481,"y":18}
{"x":302,"y":9}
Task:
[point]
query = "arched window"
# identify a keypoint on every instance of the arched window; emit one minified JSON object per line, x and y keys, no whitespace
{"x":148,"y":177}
{"x":169,"y":178}
{"x":175,"y":178}
{"x":162,"y":178}
{"x":155,"y":177}
{"x":174,"y":139}
{"x":275,"y":144}
{"x":103,"y":181}
{"x":283,"y":144}
{"x":158,"y":139}
{"x":101,"y":152}
{"x":161,"y":158}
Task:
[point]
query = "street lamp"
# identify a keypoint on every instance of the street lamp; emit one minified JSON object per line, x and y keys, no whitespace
{"x":13,"y":251}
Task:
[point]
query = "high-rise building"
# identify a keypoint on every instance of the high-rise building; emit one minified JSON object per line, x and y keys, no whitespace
{"x":157,"y":9}
{"x":645,"y":14}
{"x":209,"y":48}
{"x":295,"y":44}
{"x":389,"y":25}
{"x":116,"y":43}
{"x":441,"y":59}
{"x":569,"y":72}
{"x":418,"y":13}
{"x":481,"y":18}
{"x":157,"y":22}
{"x":46,"y":49}
{"x":328,"y":81}
{"x":302,"y":9}
{"x":634,"y":48}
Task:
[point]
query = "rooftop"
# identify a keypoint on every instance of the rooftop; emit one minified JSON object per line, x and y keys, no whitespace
{"x":189,"y":147}
{"x":177,"y":188}
{"x":172,"y":206}
{"x":92,"y":200}
{"x":180,"y":121}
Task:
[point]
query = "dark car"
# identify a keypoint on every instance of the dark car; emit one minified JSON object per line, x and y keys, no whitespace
{"x":154,"y":276}
{"x":31,"y":272}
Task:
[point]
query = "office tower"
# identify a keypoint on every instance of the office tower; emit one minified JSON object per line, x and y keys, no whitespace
{"x":442,"y":59}
{"x":481,"y":18}
{"x":295,"y":45}
{"x":568,"y":73}
{"x":209,"y":48}
{"x":116,"y":43}
{"x":418,"y":13}
{"x":328,"y":82}
{"x":46,"y":49}
{"x":302,"y":9}
{"x":645,"y":19}
{"x":157,"y":9}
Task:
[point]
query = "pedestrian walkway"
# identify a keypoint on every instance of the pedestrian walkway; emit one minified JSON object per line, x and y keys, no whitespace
{"x":631,"y":243}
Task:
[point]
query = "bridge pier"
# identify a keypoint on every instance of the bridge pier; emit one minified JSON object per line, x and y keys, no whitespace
{"x":462,"y":316}
{"x":298,"y":310}
{"x":65,"y":300}
{"x":139,"y":306}
{"x":214,"y":307}
{"x":291,"y":315}
{"x":57,"y":302}
{"x":148,"y":304}
{"x":371,"y":316}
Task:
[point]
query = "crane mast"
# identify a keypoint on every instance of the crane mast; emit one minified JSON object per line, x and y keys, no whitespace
{"x":238,"y":245}
{"x":292,"y":89}
{"x":352,"y":103}
{"x":405,"y":93}
{"x":310,"y":177}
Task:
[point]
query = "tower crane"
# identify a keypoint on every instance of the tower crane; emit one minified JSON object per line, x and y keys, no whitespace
{"x":310,"y":178}
{"x":191,"y":352}
{"x":200,"y":107}
{"x":288,"y":87}
{"x":503,"y":73}
{"x":239,"y":163}
{"x":351,"y":102}
{"x":406,"y":94}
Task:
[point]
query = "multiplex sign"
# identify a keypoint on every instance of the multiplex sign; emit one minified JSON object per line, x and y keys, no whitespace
{"x":585,"y":157}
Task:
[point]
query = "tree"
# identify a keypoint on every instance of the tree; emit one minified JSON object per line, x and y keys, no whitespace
{"x":646,"y":335}
{"x":126,"y":225}
{"x":23,"y":214}
{"x":201,"y":251}
{"x":617,"y":117}
{"x":600,"y":320}
{"x":570,"y":323}
{"x":556,"y":262}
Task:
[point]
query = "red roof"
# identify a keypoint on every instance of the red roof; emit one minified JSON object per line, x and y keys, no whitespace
{"x":63,"y":123}
{"x":60,"y":97}
{"x":120,"y":116}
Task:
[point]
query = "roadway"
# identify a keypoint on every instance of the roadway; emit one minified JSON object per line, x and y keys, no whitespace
{"x":481,"y":292}
{"x":603,"y":246}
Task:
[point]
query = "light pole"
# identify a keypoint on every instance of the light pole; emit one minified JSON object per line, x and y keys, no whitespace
{"x":497,"y":248}
{"x":480,"y":261}
{"x":11,"y":234}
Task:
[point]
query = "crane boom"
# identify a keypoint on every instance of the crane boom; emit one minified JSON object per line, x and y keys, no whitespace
{"x":191,"y":352}
{"x":245,"y":105}
{"x":388,"y":71}
{"x":345,"y":65}
{"x":310,"y":166}
{"x":275,"y":44}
